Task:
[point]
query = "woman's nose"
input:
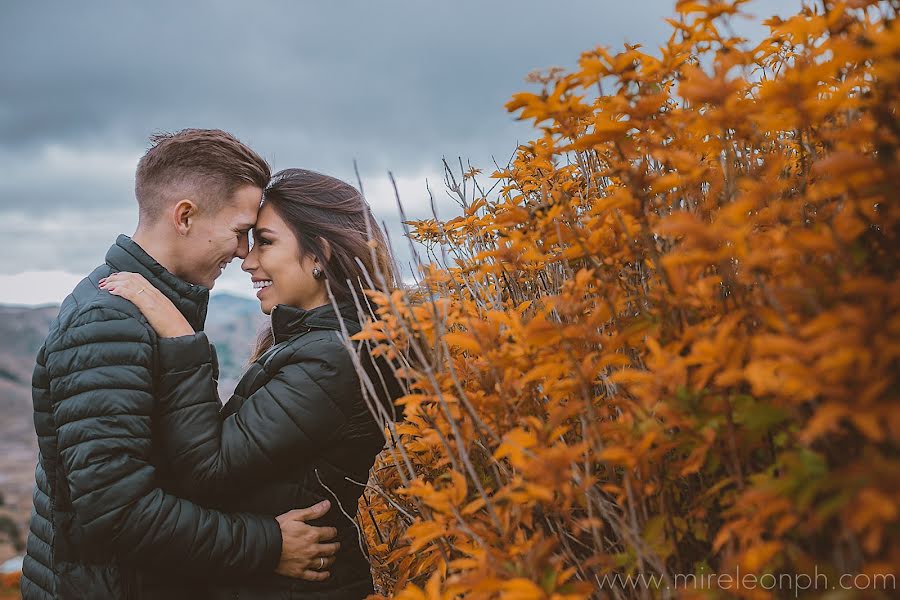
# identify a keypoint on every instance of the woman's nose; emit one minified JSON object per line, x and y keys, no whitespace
{"x":249,"y":263}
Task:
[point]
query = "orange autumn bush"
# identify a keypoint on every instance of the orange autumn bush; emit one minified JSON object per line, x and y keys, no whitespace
{"x":668,"y":342}
{"x":9,"y":585}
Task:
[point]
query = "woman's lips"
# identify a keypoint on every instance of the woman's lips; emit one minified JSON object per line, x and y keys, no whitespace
{"x":261,"y":291}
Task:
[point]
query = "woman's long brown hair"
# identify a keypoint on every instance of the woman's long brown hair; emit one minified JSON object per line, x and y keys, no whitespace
{"x":319,"y":208}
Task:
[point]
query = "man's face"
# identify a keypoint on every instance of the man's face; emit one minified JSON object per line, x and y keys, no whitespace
{"x":218,"y":237}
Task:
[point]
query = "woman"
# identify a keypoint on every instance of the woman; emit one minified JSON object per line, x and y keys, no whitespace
{"x":298,"y":428}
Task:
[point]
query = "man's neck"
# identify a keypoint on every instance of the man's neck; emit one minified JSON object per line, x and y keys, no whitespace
{"x":155,"y":245}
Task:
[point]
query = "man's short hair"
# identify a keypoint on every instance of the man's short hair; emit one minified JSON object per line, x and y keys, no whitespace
{"x":205,"y":165}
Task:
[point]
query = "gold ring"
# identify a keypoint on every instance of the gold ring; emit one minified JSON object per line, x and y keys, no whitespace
{"x":321,"y":562}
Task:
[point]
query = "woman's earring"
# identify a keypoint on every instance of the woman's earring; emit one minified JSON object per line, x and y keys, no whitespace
{"x":318,"y":273}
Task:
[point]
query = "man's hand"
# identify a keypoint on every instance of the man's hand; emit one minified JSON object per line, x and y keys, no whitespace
{"x":304,"y":555}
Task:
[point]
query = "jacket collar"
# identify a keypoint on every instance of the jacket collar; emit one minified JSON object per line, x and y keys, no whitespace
{"x":191,"y":299}
{"x":288,"y":321}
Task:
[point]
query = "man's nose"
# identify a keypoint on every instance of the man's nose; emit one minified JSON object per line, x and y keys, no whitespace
{"x":243,"y":248}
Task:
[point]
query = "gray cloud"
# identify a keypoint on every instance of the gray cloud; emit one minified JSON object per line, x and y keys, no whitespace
{"x":395,"y":84}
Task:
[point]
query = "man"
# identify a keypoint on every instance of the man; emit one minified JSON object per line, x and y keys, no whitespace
{"x":105,"y":522}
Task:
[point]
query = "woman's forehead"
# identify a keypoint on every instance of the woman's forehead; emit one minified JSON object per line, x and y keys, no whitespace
{"x":268,"y":218}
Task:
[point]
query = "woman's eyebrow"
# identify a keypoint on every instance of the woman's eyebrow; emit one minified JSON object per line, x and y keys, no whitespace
{"x":263,"y":230}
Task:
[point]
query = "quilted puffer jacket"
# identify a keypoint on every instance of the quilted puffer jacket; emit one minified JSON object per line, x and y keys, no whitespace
{"x":104,"y":525}
{"x":297,"y":431}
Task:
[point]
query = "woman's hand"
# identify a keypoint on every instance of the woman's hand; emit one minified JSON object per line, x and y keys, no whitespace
{"x":162,"y":315}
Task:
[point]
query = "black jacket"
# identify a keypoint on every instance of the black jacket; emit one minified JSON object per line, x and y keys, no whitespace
{"x":296,"y":431}
{"x":103,"y":524}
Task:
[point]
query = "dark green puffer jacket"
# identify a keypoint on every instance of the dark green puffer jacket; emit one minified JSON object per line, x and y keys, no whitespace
{"x":296,"y":431}
{"x":103,"y":524}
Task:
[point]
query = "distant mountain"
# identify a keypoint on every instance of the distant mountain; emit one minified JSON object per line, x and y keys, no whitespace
{"x":232,"y":325}
{"x":22,"y":330}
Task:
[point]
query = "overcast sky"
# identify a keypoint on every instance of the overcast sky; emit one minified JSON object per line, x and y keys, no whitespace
{"x":394,"y":84}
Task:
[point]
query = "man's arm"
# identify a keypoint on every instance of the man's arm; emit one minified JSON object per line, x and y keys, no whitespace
{"x":102,"y":382}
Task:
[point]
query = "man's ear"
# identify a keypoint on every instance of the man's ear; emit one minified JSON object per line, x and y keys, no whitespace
{"x":183,"y":215}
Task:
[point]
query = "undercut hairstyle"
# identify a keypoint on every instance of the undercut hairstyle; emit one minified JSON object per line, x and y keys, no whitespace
{"x":204,"y":165}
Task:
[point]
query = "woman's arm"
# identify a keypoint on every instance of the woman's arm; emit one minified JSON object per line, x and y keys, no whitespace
{"x":292,"y":416}
{"x":289,"y":418}
{"x":105,"y":441}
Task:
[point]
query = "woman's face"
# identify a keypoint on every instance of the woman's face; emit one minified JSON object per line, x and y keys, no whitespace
{"x":276,"y":268}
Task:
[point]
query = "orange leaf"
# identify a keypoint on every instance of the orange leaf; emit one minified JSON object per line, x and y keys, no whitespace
{"x":522,"y":589}
{"x":463,"y":340}
{"x":825,"y":419}
{"x":423,"y":532}
{"x":758,"y":556}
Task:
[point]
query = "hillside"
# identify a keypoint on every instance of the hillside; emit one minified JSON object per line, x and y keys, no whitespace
{"x":231,"y":325}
